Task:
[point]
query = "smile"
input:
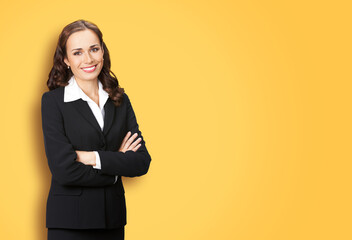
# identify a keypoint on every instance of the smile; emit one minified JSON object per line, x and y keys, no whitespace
{"x":90,"y":69}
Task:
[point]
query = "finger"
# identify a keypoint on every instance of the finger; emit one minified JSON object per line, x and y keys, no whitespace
{"x":133,"y":145}
{"x":126,"y":138}
{"x":128,"y":144}
{"x":136,"y":148}
{"x":122,"y":147}
{"x":131,"y":139}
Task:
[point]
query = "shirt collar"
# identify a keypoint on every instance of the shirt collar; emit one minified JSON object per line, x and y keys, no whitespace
{"x":74,"y":92}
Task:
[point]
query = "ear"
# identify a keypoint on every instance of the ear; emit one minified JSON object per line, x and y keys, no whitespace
{"x":66,"y":61}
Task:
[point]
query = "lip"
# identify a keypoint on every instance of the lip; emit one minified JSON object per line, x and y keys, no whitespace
{"x":90,"y":70}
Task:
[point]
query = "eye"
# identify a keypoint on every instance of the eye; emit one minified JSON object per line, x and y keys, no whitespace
{"x":95,"y":49}
{"x":77,"y":53}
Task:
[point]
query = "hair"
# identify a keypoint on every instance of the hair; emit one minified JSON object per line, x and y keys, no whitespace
{"x":60,"y":74}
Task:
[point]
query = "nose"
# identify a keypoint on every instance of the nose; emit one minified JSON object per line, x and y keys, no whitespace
{"x":88,"y":58}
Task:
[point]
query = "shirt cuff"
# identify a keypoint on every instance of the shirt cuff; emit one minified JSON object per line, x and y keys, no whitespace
{"x":97,"y":161}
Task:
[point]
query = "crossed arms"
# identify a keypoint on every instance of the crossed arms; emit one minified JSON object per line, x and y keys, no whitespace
{"x":64,"y":161}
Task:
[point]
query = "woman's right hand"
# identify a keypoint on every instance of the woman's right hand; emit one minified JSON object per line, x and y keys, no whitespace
{"x":128,"y":144}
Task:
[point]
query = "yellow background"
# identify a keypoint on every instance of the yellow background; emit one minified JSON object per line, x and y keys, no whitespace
{"x":245,"y":107}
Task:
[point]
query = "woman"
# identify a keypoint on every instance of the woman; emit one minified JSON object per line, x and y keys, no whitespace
{"x":91,"y":139}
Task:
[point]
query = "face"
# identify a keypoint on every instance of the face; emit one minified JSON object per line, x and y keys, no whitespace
{"x":84,"y":55}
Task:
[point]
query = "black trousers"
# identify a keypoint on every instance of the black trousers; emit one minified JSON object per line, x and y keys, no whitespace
{"x":86,"y":234}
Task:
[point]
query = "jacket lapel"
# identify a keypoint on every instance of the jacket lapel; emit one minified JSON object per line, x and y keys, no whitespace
{"x":109,"y":109}
{"x":84,"y":109}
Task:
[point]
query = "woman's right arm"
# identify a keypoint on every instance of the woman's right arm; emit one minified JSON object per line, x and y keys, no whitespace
{"x":60,"y":153}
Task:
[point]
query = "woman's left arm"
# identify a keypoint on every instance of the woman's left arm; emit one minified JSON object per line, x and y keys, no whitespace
{"x":129,"y":163}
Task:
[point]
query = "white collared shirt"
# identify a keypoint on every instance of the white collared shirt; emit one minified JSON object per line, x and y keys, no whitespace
{"x":73,"y":92}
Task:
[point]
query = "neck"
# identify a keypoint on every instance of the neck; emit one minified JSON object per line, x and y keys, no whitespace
{"x":89,"y":87}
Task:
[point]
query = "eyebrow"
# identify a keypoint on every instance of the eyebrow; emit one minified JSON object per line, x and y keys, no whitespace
{"x":81,"y":48}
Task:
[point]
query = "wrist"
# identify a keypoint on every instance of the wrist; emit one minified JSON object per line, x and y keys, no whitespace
{"x":93,"y":161}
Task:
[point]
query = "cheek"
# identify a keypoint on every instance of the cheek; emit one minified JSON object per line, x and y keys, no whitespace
{"x":99,"y":57}
{"x":74,"y":62}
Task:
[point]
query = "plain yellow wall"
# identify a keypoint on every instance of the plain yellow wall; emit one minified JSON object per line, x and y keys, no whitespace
{"x":245,"y":107}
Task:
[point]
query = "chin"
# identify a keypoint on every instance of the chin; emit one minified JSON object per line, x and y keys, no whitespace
{"x":87,"y":78}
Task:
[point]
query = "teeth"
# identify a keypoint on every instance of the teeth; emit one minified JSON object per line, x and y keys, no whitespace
{"x":91,"y":68}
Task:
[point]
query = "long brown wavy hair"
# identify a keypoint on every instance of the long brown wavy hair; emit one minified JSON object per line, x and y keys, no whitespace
{"x":60,"y":74}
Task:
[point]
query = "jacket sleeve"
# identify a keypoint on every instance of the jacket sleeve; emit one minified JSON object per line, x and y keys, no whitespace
{"x":130,"y":163}
{"x":60,"y":153}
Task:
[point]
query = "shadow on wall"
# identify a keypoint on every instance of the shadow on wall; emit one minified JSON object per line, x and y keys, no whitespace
{"x":41,"y":161}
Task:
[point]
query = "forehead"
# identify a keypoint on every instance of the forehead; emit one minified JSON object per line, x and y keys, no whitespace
{"x":82,"y":39}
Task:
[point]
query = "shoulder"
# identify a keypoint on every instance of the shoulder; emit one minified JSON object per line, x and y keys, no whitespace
{"x":56,"y":95}
{"x":125,"y":98}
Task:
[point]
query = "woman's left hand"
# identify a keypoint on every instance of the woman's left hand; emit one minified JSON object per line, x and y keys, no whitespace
{"x":86,"y":157}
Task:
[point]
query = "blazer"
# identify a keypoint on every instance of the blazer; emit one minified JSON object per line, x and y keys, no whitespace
{"x":80,"y":196}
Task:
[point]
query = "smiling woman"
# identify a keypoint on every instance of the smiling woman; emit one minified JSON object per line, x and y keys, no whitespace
{"x":85,"y":56}
{"x":82,"y":52}
{"x":91,"y":138}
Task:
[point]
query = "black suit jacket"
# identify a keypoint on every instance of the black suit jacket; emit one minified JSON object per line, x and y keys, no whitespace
{"x":80,"y":196}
